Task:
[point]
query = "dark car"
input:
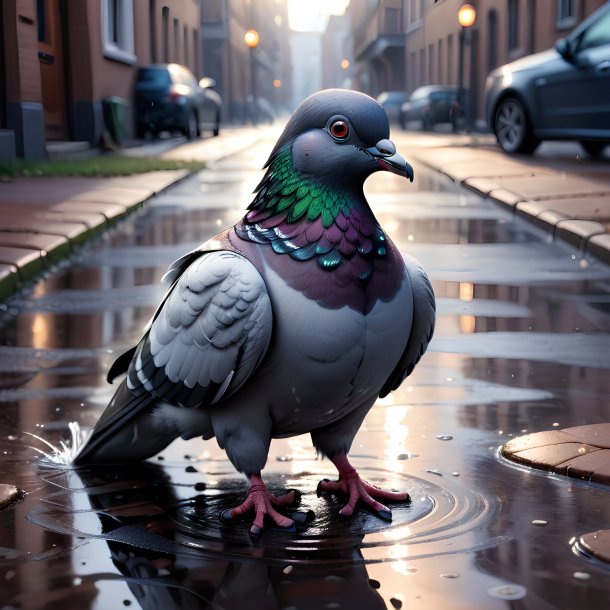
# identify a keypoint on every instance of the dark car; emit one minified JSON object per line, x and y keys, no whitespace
{"x":431,"y":105}
{"x":559,"y":94}
{"x":168,"y":98}
{"x":391,"y":102}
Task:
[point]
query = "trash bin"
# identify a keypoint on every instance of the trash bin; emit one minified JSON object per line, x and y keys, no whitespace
{"x":115,"y":112}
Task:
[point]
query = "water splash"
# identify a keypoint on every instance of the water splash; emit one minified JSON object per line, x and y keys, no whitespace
{"x":67,"y":451}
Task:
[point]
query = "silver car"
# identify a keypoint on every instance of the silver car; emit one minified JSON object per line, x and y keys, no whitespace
{"x":559,"y":94}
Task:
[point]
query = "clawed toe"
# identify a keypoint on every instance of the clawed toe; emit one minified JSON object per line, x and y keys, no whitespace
{"x":260,"y":501}
{"x":359,"y":491}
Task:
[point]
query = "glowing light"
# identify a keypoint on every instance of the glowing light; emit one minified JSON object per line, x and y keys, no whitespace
{"x":277,"y":83}
{"x":345,"y":64}
{"x":251,"y":38}
{"x":467,"y":15}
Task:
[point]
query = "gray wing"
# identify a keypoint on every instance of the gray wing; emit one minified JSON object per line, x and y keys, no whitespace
{"x":422,"y":329}
{"x":207,"y":338}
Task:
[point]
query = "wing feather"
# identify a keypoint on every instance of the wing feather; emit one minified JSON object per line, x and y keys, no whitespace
{"x":202,"y":336}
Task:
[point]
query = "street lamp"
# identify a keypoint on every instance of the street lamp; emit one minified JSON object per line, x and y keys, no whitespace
{"x":467,"y":15}
{"x":251,"y":38}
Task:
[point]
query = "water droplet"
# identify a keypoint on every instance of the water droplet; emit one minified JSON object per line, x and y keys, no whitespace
{"x":396,"y":603}
{"x":573,"y":257}
{"x":540,"y":522}
{"x":434,"y":471}
{"x":582,"y":575}
{"x":450,"y":575}
{"x":283,"y":458}
{"x":582,"y":450}
{"x":444,"y":437}
{"x":77,"y":581}
{"x":555,"y":424}
{"x":12,"y":438}
{"x":455,"y":474}
{"x":374,"y":583}
{"x":288,"y":569}
{"x":407,"y":456}
{"x":508,"y":592}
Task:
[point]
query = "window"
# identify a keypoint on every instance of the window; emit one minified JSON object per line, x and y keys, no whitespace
{"x":440,"y":61}
{"x":513,"y":25}
{"x":165,"y":32}
{"x":117,"y":30}
{"x":597,"y":34}
{"x":492,"y":40}
{"x":176,"y":41}
{"x":566,"y":14}
{"x":450,"y":58}
{"x":185,"y":40}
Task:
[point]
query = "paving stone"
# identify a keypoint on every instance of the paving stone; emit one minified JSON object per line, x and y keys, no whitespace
{"x":538,"y":439}
{"x":28,"y":261}
{"x":597,"y":544}
{"x":583,"y":208}
{"x":551,"y":186}
{"x":110,"y":211}
{"x":24,"y":223}
{"x":586,"y":450}
{"x":599,"y":246}
{"x":597,"y":434}
{"x":481,"y":185}
{"x":505,"y":197}
{"x":553,"y":455}
{"x":578,"y":232}
{"x":8,"y":494}
{"x":594,"y":466}
{"x":90,"y":220}
{"x":52,"y":247}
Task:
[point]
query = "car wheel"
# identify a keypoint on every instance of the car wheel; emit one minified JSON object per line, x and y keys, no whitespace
{"x":216,"y":130}
{"x":190,"y":129}
{"x":594,"y":148}
{"x":512,"y":127}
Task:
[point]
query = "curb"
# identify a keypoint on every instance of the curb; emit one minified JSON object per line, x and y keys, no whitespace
{"x":571,"y":208}
{"x":33,"y":238}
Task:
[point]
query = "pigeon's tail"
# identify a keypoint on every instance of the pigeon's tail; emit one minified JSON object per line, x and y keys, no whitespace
{"x":126,"y":432}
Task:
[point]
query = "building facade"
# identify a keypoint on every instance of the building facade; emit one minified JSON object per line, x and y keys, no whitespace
{"x":62,"y":58}
{"x":403,"y":44}
{"x":242,"y":74}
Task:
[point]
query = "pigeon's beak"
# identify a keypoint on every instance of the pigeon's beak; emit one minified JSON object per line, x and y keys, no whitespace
{"x":389,"y":160}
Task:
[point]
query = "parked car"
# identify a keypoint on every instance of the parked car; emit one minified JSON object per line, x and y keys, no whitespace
{"x":431,"y":104}
{"x":168,"y":97}
{"x":391,"y":102}
{"x":559,"y":94}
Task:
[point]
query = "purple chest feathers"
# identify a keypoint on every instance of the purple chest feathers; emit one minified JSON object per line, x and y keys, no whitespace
{"x":322,"y":244}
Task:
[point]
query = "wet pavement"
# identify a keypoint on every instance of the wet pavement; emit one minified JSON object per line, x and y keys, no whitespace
{"x":521,"y":346}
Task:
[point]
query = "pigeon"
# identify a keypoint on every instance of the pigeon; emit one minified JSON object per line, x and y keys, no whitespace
{"x":293,"y":321}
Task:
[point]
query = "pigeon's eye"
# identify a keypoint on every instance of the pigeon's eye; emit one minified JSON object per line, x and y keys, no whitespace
{"x":339,"y":130}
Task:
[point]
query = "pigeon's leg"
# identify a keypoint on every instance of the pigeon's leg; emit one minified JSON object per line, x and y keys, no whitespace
{"x":263,"y":503}
{"x":351,"y":484}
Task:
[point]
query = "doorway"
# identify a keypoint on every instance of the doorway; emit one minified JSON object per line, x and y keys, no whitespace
{"x":52,"y":68}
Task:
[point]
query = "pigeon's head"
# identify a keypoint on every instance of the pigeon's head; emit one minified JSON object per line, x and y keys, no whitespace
{"x":340,"y":136}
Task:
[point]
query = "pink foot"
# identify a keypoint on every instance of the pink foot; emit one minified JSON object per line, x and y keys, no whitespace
{"x":262,"y":502}
{"x":351,"y":484}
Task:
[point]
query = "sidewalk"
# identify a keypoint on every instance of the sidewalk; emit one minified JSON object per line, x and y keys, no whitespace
{"x":45,"y":220}
{"x":572,"y":205}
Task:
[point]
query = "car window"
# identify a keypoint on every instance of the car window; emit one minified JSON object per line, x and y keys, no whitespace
{"x":597,"y":34}
{"x":154,"y":76}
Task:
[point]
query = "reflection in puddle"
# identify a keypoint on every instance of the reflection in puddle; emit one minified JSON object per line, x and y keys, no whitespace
{"x":176,"y":508}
